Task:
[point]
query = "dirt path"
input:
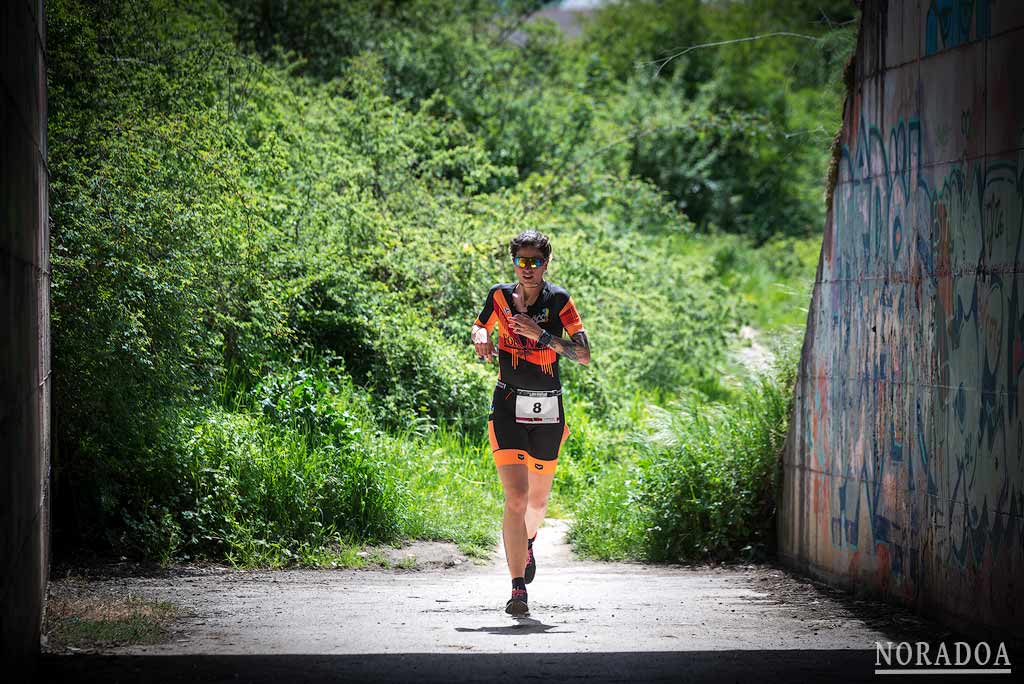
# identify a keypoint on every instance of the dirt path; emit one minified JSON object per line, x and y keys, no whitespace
{"x":750,"y":353}
{"x":715,"y":618}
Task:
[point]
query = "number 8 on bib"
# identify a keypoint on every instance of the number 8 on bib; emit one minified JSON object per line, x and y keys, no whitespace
{"x":537,"y":408}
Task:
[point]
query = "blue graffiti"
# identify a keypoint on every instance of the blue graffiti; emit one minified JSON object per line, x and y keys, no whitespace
{"x":951,"y":21}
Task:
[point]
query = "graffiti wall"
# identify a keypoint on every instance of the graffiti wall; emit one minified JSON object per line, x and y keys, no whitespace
{"x":904,"y":470}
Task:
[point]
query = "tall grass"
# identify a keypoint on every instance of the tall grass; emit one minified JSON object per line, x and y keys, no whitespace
{"x":299,"y":465}
{"x":702,"y":483}
{"x":455,"y":493}
{"x":300,"y":471}
{"x":773,"y":282}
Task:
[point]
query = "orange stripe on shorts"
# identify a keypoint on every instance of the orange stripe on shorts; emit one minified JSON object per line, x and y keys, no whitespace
{"x":540,"y":467}
{"x":504,"y":457}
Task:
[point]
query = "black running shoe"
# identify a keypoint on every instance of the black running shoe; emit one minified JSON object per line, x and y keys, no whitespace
{"x":531,"y":566}
{"x":517,"y":604}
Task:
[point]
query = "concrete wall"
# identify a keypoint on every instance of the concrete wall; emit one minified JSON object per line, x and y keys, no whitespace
{"x":25,"y":324}
{"x":904,"y":471}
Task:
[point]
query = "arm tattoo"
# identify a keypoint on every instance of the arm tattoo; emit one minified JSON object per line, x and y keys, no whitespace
{"x":576,"y":349}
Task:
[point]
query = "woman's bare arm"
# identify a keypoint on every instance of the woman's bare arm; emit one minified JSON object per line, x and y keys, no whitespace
{"x":576,"y":348}
{"x":482,"y":342}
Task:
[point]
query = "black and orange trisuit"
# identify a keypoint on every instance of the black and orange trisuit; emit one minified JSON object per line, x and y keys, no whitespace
{"x":527,"y":422}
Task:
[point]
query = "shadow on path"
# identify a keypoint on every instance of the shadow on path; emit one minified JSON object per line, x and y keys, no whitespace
{"x":523,"y":626}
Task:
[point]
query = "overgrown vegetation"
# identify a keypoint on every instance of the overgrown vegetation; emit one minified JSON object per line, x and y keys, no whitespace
{"x":703,"y":484}
{"x":77,"y":622}
{"x":273,"y":224}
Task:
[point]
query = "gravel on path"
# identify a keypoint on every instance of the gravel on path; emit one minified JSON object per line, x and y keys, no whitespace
{"x":628,"y":621}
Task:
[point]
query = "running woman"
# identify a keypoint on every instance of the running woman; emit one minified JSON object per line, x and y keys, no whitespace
{"x":527,"y":422}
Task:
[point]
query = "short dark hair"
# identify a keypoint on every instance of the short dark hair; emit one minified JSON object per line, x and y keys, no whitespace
{"x":530,"y":238}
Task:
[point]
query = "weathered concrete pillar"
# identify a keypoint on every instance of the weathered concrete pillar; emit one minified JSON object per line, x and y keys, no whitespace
{"x":25,"y":325}
{"x":904,"y":472}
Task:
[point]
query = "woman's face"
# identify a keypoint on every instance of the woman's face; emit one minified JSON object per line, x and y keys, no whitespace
{"x":528,"y":275}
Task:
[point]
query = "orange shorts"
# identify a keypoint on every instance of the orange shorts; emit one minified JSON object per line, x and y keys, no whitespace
{"x":535,"y":446}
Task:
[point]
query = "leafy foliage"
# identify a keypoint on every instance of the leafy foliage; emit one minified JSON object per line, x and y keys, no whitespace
{"x":704,"y":484}
{"x":274,"y":222}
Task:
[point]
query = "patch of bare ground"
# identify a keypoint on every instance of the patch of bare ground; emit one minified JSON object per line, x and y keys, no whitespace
{"x":82,"y":615}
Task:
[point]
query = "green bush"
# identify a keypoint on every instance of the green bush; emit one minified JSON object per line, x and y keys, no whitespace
{"x":607,"y":524}
{"x":257,"y":494}
{"x":308,"y":470}
{"x":273,"y":225}
{"x":705,"y":483}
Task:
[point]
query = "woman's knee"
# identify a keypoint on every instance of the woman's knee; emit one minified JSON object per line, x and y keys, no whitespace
{"x":516,"y":500}
{"x":538,"y":500}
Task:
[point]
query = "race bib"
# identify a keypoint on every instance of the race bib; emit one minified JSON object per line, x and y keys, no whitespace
{"x":537,"y":408}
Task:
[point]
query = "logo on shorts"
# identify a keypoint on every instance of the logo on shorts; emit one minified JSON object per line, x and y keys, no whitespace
{"x":521,"y":457}
{"x":538,"y":466}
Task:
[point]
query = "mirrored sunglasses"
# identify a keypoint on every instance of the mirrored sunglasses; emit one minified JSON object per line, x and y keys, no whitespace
{"x":528,"y":262}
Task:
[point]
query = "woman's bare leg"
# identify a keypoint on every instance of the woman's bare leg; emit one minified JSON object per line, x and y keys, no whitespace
{"x":516,"y":485}
{"x":537,"y":501}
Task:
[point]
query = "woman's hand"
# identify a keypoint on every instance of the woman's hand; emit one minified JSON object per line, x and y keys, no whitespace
{"x":482,"y":342}
{"x":527,"y":327}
